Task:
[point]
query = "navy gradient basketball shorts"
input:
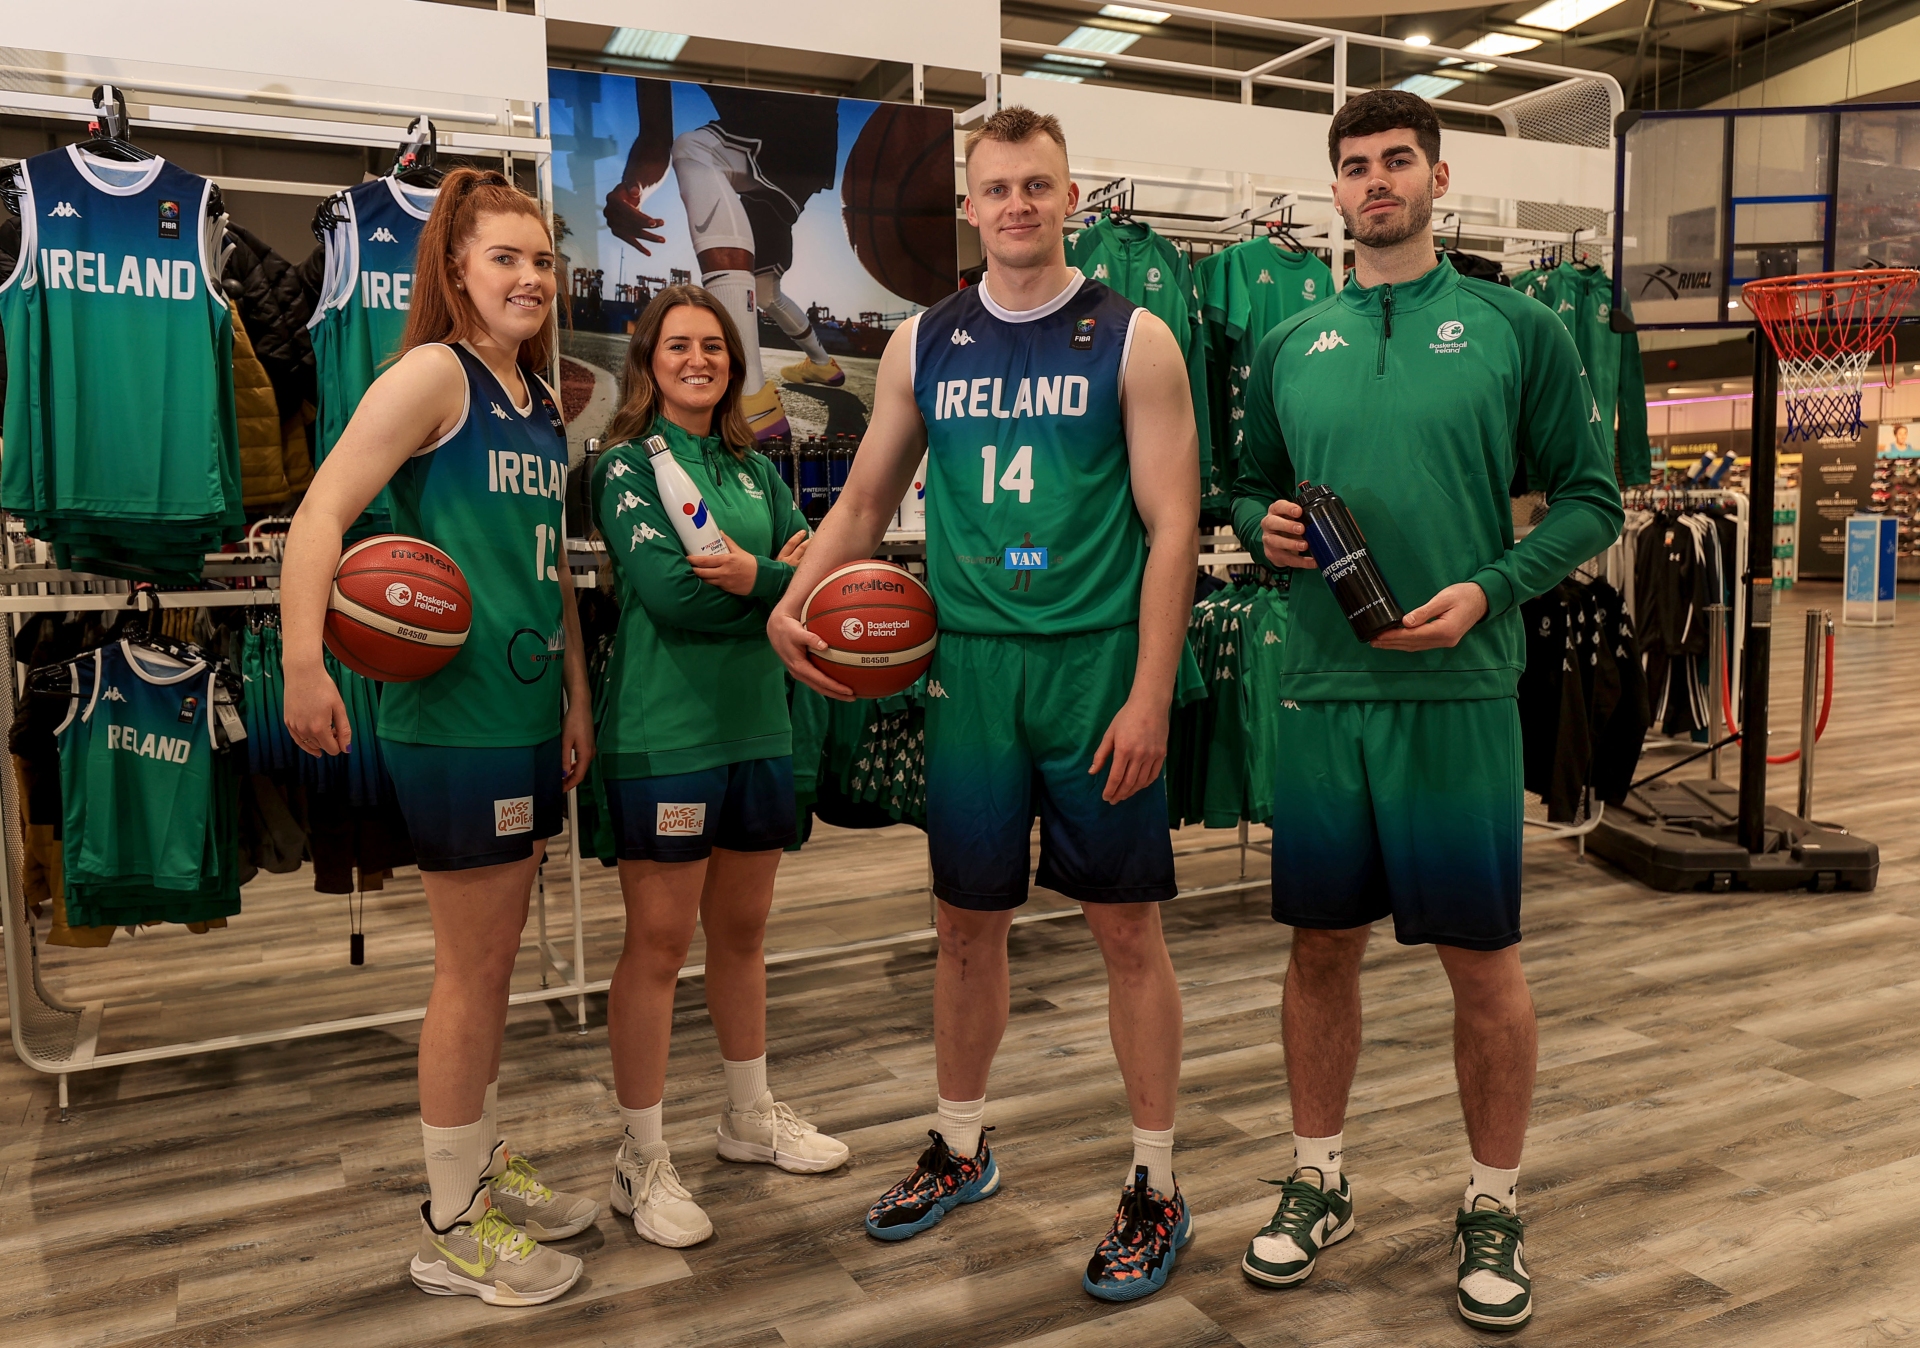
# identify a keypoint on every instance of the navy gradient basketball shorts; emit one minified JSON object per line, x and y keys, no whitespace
{"x":1013,"y":723}
{"x":740,"y":807}
{"x":1408,"y":809}
{"x":468,"y":806}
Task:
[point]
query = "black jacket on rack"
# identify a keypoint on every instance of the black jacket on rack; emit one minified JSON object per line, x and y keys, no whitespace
{"x":1583,"y":697}
{"x":275,"y":303}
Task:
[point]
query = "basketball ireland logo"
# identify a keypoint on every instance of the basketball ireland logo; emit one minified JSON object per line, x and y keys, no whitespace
{"x":1450,"y":331}
{"x":399,"y":594}
{"x":853,"y":629}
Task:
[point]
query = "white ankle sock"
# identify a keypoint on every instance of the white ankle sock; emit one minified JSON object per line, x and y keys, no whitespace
{"x":734,"y":290}
{"x":455,"y":1158}
{"x":1503,"y":1186}
{"x":1322,"y":1154}
{"x":746,"y":1082}
{"x":490,"y":1118}
{"x":643,"y":1125}
{"x":960,"y":1122}
{"x":794,"y":322}
{"x":1153,"y":1148}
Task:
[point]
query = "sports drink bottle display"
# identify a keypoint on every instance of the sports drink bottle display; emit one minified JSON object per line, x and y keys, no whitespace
{"x":913,"y":507}
{"x":699,"y":535}
{"x":1334,"y":538}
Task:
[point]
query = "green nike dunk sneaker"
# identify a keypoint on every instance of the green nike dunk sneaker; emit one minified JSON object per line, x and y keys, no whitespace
{"x":1495,"y":1291}
{"x":1306,"y":1222}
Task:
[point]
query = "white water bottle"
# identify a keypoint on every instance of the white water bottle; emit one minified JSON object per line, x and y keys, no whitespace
{"x":913,"y":509}
{"x":699,"y":535}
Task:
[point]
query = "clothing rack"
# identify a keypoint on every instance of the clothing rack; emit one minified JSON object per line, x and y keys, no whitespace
{"x":1665,"y":498}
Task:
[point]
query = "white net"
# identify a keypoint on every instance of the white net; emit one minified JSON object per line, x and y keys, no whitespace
{"x":1574,"y":112}
{"x":1822,"y":394}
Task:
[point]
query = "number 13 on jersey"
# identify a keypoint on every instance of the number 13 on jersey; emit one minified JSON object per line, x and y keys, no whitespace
{"x":1018,"y":477}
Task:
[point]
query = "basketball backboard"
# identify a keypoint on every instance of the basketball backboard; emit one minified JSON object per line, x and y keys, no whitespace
{"x":1707,"y":200}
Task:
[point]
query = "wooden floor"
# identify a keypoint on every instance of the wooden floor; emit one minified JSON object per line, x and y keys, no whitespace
{"x":1725,"y":1145}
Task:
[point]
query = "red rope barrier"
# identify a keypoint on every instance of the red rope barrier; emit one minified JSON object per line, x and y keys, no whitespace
{"x":1826,"y":703}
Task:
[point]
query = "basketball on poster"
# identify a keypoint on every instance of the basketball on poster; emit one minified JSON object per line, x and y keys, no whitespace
{"x":822,"y":224}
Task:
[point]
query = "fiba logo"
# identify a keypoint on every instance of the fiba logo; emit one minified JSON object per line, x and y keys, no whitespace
{"x":853,"y":629}
{"x":399,"y":595}
{"x":1450,"y":331}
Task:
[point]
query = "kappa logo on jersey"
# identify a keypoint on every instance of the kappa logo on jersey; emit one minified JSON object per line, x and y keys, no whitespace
{"x":163,"y":747}
{"x":1082,"y":339}
{"x":620,"y":468}
{"x":934,"y":689}
{"x":1326,"y":341}
{"x":152,"y":278}
{"x":525,"y":474}
{"x":960,"y":337}
{"x":500,"y":412}
{"x":1100,"y":271}
{"x":65,"y":211}
{"x":1264,"y":279}
{"x":641,"y":533}
{"x":1596,"y":413}
{"x":513,"y":815}
{"x":684,"y":821}
{"x":114,"y":694}
{"x":1270,"y":639}
{"x":1564,"y":307}
{"x":382,"y":235}
{"x":627,"y":502}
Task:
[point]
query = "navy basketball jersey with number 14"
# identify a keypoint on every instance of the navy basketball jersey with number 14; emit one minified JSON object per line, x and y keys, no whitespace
{"x":490,"y":494}
{"x":1031,"y":526}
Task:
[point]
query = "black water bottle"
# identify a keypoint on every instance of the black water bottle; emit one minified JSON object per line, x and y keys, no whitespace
{"x":1334,"y":538}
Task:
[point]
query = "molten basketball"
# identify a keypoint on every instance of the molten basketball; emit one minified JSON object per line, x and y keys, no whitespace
{"x":400,"y":609}
{"x":896,"y":197}
{"x":877,"y":621}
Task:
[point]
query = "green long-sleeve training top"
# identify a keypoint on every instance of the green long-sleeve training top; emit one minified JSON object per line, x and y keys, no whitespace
{"x":692,"y":682}
{"x":1414,"y":402}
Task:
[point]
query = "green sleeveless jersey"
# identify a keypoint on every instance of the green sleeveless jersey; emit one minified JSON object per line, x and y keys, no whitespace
{"x":368,"y":291}
{"x":1031,"y":526}
{"x":489,"y":494}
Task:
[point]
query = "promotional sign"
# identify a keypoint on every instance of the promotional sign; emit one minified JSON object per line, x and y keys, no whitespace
{"x":819,"y":223}
{"x":1836,"y":483}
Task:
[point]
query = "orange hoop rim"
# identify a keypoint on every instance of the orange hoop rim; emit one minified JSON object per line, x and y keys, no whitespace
{"x":1857,"y":310}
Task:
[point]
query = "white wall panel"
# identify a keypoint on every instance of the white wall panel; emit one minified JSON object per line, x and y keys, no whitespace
{"x":397,"y":44}
{"x":960,"y":34}
{"x":1136,"y":127}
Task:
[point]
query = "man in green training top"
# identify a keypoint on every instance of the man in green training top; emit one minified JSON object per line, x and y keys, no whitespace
{"x":1412,"y":393}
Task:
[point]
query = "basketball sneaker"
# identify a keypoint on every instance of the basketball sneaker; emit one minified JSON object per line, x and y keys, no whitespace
{"x":484,"y":1255}
{"x":1495,"y":1289}
{"x":542,"y":1212}
{"x":648,"y":1188}
{"x":940,"y":1182}
{"x":765,"y":414}
{"x":772,"y":1134}
{"x":806,"y":372}
{"x":1306,"y":1222}
{"x":1136,"y":1257}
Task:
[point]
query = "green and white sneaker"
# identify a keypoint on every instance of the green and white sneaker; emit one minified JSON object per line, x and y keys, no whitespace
{"x":1306,"y":1222}
{"x":543,"y":1212}
{"x":1495,"y":1291}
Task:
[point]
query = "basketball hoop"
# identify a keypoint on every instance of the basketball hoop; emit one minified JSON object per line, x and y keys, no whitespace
{"x":1826,"y":328}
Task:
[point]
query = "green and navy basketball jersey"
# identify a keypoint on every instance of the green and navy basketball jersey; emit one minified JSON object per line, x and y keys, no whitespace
{"x":120,"y":347}
{"x":137,"y":772}
{"x":1031,"y":526}
{"x":368,"y":290}
{"x":489,"y":494}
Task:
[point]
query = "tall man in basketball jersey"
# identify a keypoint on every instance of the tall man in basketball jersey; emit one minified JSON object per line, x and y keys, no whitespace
{"x":744,"y":179}
{"x":1060,"y":439}
{"x":1413,"y":393}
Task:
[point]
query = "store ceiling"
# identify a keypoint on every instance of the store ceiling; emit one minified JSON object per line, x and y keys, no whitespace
{"x":1664,"y":53}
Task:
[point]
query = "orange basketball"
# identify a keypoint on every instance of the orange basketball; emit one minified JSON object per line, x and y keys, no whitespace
{"x":400,"y":609}
{"x":896,"y":200}
{"x":877,"y":621}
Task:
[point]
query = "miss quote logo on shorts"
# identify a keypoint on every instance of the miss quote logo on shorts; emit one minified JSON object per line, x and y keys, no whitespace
{"x":512,"y":816}
{"x":688,"y":821}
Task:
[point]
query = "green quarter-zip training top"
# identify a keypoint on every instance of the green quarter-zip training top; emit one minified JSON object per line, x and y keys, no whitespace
{"x":1414,"y":402}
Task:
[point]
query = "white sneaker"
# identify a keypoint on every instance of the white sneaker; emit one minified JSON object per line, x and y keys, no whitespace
{"x":772,"y":1134}
{"x":543,"y":1212}
{"x":484,"y":1255}
{"x":647,"y":1187}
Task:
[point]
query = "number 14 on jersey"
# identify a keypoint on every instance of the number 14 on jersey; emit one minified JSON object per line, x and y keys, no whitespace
{"x":1018,"y":477}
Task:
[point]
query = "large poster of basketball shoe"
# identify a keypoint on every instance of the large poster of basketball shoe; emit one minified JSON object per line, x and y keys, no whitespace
{"x":821,"y":224}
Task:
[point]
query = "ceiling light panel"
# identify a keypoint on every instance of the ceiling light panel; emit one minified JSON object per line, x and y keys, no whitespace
{"x":645,"y":44}
{"x":1429,"y":86}
{"x":1560,"y":15}
{"x":1108,"y":40}
{"x":1134,"y":13}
